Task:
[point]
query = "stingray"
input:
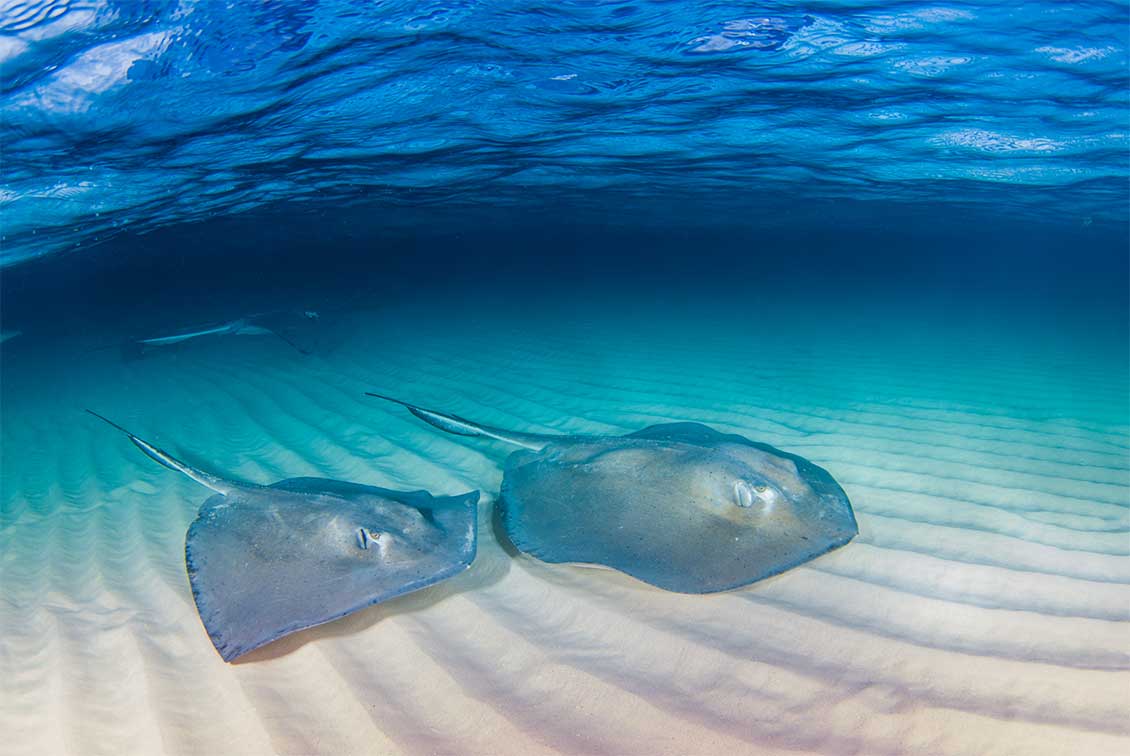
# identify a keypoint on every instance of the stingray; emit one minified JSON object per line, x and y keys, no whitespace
{"x":268,"y":561}
{"x":252,"y":325}
{"x":678,"y":505}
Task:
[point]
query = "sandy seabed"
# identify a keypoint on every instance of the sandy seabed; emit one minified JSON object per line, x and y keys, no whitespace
{"x":983,"y":608}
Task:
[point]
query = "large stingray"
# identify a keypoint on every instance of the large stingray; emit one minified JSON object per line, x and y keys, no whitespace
{"x":267,"y":561}
{"x":678,"y":505}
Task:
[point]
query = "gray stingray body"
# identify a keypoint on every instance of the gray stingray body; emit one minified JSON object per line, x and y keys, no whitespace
{"x":241,"y":327}
{"x":680,"y":506}
{"x":265,"y":562}
{"x":268,"y":561}
{"x":261,"y":324}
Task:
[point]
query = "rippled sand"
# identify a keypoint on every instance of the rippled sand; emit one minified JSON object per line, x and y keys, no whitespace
{"x":983,"y":608}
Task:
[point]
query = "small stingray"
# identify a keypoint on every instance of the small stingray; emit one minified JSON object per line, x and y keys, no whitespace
{"x":268,"y":561}
{"x":677,"y":505}
{"x":262,"y":324}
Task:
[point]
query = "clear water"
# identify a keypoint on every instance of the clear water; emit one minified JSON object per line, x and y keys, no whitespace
{"x":891,"y":238}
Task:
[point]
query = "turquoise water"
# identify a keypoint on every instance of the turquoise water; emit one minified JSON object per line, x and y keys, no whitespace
{"x":892,"y":240}
{"x":981,"y":606}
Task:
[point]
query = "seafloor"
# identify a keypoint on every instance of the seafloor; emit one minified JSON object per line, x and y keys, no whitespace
{"x":982,"y":609}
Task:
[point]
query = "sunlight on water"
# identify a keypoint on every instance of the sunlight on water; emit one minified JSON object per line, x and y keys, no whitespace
{"x":174,"y":111}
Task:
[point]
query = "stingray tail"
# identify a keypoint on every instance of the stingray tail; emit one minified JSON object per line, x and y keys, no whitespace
{"x":161,"y":457}
{"x":463,"y":427}
{"x":296,"y":348}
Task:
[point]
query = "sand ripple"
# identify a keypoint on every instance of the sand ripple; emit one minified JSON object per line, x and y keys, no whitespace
{"x":984,"y":606}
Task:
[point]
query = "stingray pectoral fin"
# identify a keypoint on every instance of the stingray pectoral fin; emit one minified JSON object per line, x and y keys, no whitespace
{"x":162,"y":457}
{"x":463,"y":427}
{"x":458,"y":502}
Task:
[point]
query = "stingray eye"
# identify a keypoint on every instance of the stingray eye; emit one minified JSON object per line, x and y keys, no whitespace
{"x":742,"y":495}
{"x":760,"y":489}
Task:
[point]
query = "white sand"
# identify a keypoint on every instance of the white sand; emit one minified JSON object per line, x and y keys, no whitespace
{"x":983,"y":609}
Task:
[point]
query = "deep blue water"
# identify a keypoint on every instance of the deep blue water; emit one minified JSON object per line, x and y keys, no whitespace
{"x":123,"y":117}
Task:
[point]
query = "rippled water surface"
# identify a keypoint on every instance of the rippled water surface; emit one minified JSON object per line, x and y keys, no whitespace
{"x":130,"y":115}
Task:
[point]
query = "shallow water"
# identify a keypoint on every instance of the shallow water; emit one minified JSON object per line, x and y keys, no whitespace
{"x":983,"y":605}
{"x":889,"y":239}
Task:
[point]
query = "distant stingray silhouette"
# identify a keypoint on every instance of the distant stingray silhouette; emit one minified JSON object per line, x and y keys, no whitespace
{"x":252,"y":325}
